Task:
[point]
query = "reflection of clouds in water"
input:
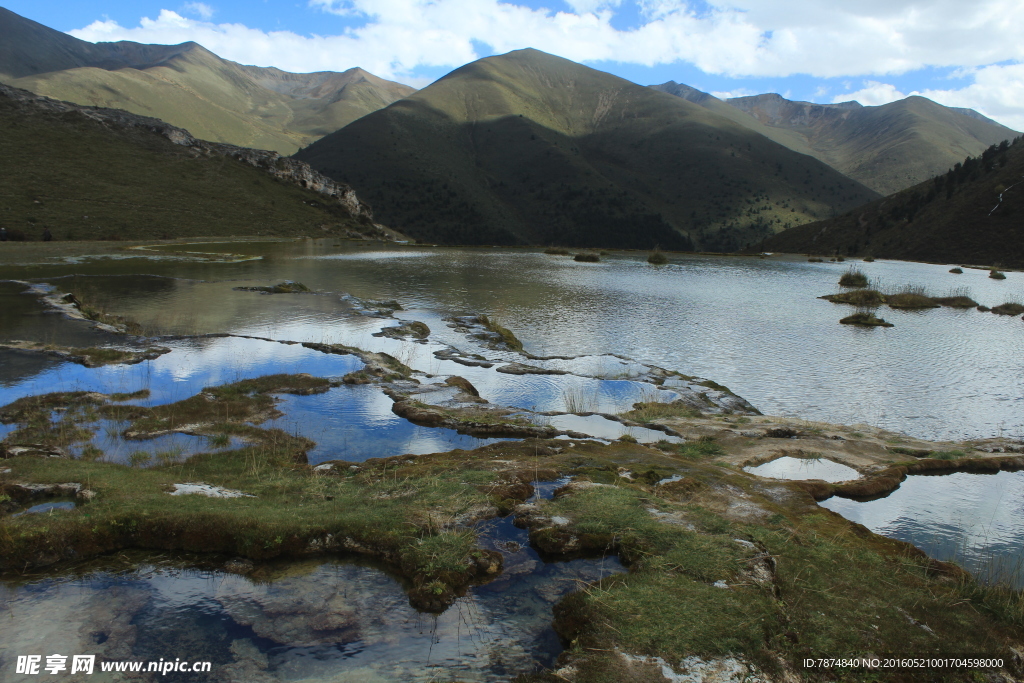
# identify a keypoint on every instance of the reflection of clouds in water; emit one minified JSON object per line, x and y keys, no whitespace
{"x":191,"y":366}
{"x":804,"y":468}
{"x":370,"y":256}
{"x":949,"y":515}
{"x":313,"y":621}
{"x":355,"y":423}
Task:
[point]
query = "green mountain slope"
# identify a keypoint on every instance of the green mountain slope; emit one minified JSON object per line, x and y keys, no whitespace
{"x":105,"y":174}
{"x":974,"y":213}
{"x":887,"y":148}
{"x":190,"y":87}
{"x":531,"y":148}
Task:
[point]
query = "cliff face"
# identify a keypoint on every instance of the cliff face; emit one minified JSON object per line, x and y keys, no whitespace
{"x":284,"y":168}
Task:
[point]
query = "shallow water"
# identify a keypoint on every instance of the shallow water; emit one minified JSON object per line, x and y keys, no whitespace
{"x":355,"y":423}
{"x":47,"y":507}
{"x":751,"y":324}
{"x":303,"y":621}
{"x":976,"y":520}
{"x":788,"y":467}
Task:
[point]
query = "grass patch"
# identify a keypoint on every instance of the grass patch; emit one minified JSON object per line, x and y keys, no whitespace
{"x":996,"y":275}
{"x":1009,"y":308}
{"x":958,"y":297}
{"x":657,"y":258}
{"x":853,"y":278}
{"x":557,"y":251}
{"x":650,"y":411}
{"x":858,"y":297}
{"x":511,"y":341}
{"x":865,"y":319}
{"x":586,"y":257}
{"x":703,"y":447}
{"x":957,"y":271}
{"x":910,"y":297}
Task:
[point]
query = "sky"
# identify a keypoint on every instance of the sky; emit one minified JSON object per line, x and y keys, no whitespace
{"x":961,"y":53}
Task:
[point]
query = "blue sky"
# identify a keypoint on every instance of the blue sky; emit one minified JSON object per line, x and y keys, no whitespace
{"x":965,"y":54}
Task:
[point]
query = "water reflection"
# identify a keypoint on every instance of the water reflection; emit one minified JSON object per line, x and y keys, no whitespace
{"x":974,"y":519}
{"x":788,"y":467}
{"x":305,"y":621}
{"x":754,"y":325}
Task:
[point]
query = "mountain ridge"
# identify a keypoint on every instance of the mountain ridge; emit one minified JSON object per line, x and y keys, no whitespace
{"x":970,"y":214}
{"x":189,"y":86}
{"x":531,"y":148}
{"x":888,"y":147}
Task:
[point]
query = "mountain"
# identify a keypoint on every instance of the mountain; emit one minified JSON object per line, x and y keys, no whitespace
{"x":190,"y":87}
{"x":887,"y":148}
{"x":531,"y":148}
{"x":972,"y":214}
{"x":89,"y":173}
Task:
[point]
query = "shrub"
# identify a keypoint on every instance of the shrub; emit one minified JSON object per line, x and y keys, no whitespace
{"x":657,"y":258}
{"x":996,"y":275}
{"x":557,"y":251}
{"x":957,"y":271}
{"x":853,"y":278}
{"x":586,"y":258}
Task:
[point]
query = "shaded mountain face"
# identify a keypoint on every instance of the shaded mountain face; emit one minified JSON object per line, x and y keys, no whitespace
{"x":531,"y":148}
{"x":887,"y":148}
{"x":90,"y":173}
{"x":189,"y":86}
{"x":971,"y":214}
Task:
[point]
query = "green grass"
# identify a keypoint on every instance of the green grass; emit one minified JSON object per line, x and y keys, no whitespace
{"x":830,"y":591}
{"x":651,"y":411}
{"x":87,"y":181}
{"x":702,"y":448}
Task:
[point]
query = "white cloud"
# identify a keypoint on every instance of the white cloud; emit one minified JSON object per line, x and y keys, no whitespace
{"x":738,"y":92}
{"x":200,"y":9}
{"x":731,"y":37}
{"x":735,"y":38}
{"x":872,"y":94}
{"x":997,"y":92}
